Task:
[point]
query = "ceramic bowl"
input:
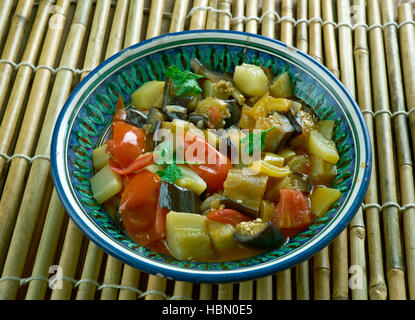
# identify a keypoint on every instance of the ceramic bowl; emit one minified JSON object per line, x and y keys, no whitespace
{"x":87,"y":114}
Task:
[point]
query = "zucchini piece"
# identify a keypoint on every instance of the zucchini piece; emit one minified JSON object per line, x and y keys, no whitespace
{"x":322,"y":147}
{"x":187,"y":236}
{"x":326,"y":128}
{"x":148,"y":95}
{"x":322,"y":172}
{"x":297,"y":181}
{"x":221,"y":235}
{"x":175,"y":198}
{"x":251,"y":80}
{"x":299,"y":163}
{"x":211,"y":202}
{"x":322,"y":198}
{"x":287,"y":154}
{"x":274,"y":159}
{"x":105,"y":184}
{"x":245,"y":189}
{"x":257,"y":234}
{"x":281,"y":86}
{"x":100,"y":157}
{"x":191,"y":180}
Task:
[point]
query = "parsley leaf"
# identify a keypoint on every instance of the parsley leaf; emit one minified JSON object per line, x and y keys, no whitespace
{"x":171,"y":173}
{"x":184,"y":81}
{"x":249,"y":139}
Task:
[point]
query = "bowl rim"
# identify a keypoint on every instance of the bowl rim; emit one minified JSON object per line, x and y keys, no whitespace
{"x":210,"y":276}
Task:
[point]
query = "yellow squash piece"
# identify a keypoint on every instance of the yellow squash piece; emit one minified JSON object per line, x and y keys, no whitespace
{"x":322,"y":198}
{"x":105,"y":184}
{"x":274,"y":159}
{"x":149,"y":94}
{"x":278,"y":104}
{"x":270,"y":170}
{"x":187,"y":236}
{"x":320,"y":146}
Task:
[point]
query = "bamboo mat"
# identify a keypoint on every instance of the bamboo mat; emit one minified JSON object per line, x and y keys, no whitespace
{"x":47,"y":47}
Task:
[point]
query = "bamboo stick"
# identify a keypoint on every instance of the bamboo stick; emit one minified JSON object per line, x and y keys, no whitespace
{"x":134,"y":23}
{"x":182,"y":290}
{"x":155,"y":19}
{"x":37,"y":179}
{"x":339,"y":246}
{"x":284,"y":290}
{"x":330,"y":45}
{"x":402,"y":138}
{"x":179,"y":15}
{"x":225,"y":291}
{"x":302,"y":281}
{"x":246,"y":290}
{"x":301,"y":29}
{"x":407,"y":46}
{"x":302,"y":273}
{"x":130,"y":278}
{"x":287,"y":8}
{"x":205,"y":291}
{"x":224,"y":19}
{"x":212,"y":16}
{"x":237,"y":14}
{"x":13,"y":113}
{"x":113,"y":269}
{"x":18,"y":27}
{"x":198,"y":19}
{"x":268,"y":23}
{"x":377,"y":286}
{"x":5,"y":10}
{"x":157,"y":286}
{"x":264,"y":288}
{"x":393,"y":249}
{"x":251,"y":24}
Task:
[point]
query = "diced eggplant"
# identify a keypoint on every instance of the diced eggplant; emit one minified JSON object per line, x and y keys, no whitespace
{"x":297,"y":181}
{"x":282,"y":132}
{"x":221,"y":235}
{"x":238,"y":206}
{"x":299,"y":163}
{"x":199,"y":120}
{"x":267,"y":210}
{"x":247,"y":190}
{"x":221,"y":82}
{"x":175,"y":198}
{"x":322,"y":172}
{"x":155,"y":115}
{"x":235,"y":113}
{"x":295,"y":122}
{"x":176,"y":112}
{"x":257,"y":234}
{"x":135,"y":117}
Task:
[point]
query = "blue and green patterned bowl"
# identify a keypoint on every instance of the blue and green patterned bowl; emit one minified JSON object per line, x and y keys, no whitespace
{"x":87,"y":114}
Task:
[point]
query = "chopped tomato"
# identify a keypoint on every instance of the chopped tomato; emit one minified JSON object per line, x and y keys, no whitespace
{"x":141,"y":162}
{"x":120,"y":113}
{"x":129,"y":143}
{"x":229,"y":216}
{"x":212,"y":166}
{"x":293,"y":210}
{"x":138,"y":207}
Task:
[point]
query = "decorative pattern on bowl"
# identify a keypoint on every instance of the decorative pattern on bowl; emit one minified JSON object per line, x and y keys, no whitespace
{"x":87,"y":115}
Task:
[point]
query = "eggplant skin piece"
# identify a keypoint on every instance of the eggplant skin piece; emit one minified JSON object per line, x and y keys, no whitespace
{"x":234,"y":205}
{"x":135,"y":117}
{"x":235,"y":112}
{"x":257,"y":234}
{"x":175,"y":198}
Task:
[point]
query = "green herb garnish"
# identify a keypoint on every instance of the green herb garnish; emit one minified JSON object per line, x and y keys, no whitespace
{"x":184,"y":81}
{"x":249,"y":139}
{"x":171,"y":173}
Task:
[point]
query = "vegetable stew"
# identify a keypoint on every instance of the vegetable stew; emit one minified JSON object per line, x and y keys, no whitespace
{"x":207,"y":166}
